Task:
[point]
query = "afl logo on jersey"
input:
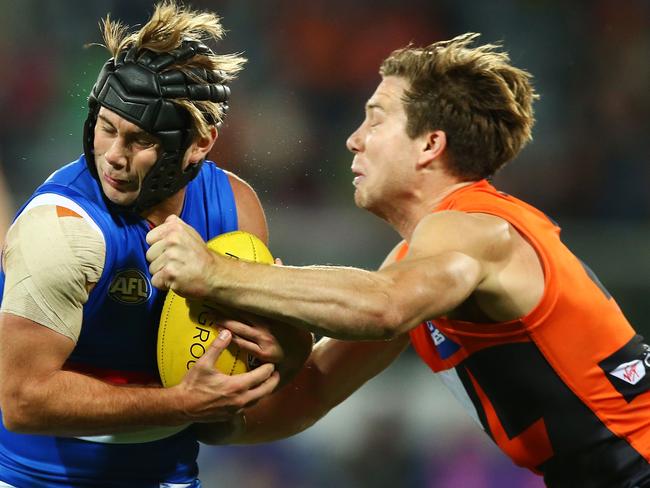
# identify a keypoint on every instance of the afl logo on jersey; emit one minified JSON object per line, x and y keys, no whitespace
{"x":130,"y":286}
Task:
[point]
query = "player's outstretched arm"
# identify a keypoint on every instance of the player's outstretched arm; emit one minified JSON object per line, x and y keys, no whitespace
{"x":446,"y":262}
{"x":334,"y":371}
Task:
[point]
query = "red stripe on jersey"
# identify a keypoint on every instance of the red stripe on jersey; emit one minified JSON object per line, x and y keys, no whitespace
{"x":114,"y":376}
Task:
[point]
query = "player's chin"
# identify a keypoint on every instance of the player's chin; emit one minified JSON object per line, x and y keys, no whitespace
{"x":120,"y":198}
{"x":360,"y":199}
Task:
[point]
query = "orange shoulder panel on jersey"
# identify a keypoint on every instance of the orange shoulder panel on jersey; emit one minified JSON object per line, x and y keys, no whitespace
{"x":573,"y":364}
{"x":66,"y":212}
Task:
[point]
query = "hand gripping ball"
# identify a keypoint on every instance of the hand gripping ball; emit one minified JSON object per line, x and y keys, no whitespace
{"x":187,"y":327}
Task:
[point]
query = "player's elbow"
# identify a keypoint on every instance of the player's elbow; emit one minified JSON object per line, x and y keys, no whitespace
{"x":391,"y":315}
{"x":381,"y":323}
{"x":390,"y":323}
{"x":14,"y":421}
{"x":377,"y":316}
{"x":18,"y":412}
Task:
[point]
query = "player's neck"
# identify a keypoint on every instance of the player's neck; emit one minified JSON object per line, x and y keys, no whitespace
{"x":406,"y":217}
{"x":443,"y":192}
{"x":157,"y":214}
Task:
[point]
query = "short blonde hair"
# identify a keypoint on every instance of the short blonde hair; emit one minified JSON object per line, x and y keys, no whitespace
{"x":482,"y":103}
{"x":169,"y":25}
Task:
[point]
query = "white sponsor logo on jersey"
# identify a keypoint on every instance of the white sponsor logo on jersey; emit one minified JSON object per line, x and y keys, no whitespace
{"x":631,"y":372}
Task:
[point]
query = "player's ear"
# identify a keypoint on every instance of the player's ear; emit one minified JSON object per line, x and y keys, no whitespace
{"x":201,"y":146}
{"x":434,"y":144}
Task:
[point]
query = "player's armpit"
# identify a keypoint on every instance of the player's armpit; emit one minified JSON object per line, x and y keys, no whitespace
{"x":52,"y":258}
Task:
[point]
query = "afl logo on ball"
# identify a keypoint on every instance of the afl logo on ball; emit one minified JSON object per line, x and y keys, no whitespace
{"x":130,"y":286}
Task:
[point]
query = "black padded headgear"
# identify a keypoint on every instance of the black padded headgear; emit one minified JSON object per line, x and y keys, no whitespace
{"x":137,"y":86}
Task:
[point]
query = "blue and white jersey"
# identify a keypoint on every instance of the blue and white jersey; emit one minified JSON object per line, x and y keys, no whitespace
{"x":118,"y":343}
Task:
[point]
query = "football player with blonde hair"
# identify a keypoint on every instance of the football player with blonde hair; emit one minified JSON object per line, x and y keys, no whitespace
{"x":80,"y":393}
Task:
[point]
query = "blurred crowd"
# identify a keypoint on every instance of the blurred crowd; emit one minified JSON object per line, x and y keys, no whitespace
{"x":312,"y":64}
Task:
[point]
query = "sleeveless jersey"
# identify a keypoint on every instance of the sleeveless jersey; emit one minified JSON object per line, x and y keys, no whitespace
{"x":118,"y":343}
{"x":563,"y":390}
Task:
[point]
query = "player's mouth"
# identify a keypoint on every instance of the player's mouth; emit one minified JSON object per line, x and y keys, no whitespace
{"x":117,"y":183}
{"x":358,"y":177}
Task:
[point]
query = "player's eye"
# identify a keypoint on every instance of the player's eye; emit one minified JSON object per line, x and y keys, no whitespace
{"x":107,"y":129}
{"x":144,"y":142}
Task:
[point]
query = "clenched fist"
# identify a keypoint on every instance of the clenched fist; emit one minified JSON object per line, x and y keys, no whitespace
{"x":179,"y":259}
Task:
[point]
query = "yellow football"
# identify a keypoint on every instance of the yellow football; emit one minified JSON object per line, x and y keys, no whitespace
{"x":187,"y":327}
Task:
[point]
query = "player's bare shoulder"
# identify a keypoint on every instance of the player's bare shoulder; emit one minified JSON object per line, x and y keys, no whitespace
{"x":483,"y":236}
{"x":250,"y":214}
{"x":512,"y":279}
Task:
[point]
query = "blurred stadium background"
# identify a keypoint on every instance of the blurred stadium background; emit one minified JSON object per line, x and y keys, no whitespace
{"x":312,"y":64}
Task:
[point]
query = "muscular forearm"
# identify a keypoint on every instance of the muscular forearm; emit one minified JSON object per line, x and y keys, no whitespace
{"x":345,"y":303}
{"x":71,"y":404}
{"x":339,"y":302}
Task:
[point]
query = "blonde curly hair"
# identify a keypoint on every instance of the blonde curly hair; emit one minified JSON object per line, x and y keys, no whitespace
{"x":170,"y":25}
